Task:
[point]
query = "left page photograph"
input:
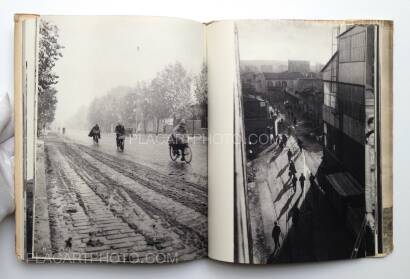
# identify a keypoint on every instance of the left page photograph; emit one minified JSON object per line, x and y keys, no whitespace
{"x":111,"y":139}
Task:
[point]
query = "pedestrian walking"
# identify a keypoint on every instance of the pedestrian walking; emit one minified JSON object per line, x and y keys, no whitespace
{"x":281,"y":145}
{"x":290,"y":175}
{"x":302,"y":181}
{"x":284,"y":140}
{"x":276,"y":232}
{"x":292,"y":167}
{"x":312,"y":179}
{"x":300,"y":144}
{"x":289,"y":153}
{"x":316,"y":190}
{"x":294,"y":183}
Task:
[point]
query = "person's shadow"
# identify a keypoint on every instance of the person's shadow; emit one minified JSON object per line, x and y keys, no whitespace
{"x":286,"y":206}
{"x":285,"y":188}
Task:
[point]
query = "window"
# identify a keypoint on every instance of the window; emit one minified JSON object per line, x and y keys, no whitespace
{"x":329,"y":96}
{"x":333,"y":76}
{"x":352,"y":101}
{"x":358,"y":47}
{"x":352,"y":48}
{"x":344,"y":49}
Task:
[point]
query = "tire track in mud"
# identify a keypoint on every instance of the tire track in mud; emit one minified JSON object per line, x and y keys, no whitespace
{"x":186,"y":193}
{"x":148,"y":171}
{"x":74,"y":216}
{"x":192,"y":232}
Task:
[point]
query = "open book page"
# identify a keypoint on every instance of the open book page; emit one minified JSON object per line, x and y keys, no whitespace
{"x":111,"y":154}
{"x":385,"y":109}
{"x":25,"y":32}
{"x":309,"y":109}
{"x":221,"y":85}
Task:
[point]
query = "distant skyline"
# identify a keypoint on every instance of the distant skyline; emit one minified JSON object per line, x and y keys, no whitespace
{"x":105,"y":52}
{"x":285,"y":40}
{"x":276,"y":64}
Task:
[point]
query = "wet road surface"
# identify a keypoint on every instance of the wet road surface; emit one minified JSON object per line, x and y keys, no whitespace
{"x":99,"y":202}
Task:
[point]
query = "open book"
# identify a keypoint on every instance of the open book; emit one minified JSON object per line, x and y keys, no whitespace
{"x":160,"y":140}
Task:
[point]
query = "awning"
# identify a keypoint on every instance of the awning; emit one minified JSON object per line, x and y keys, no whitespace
{"x":344,"y":184}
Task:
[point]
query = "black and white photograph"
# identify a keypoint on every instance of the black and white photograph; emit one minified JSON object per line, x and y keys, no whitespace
{"x":204,"y":139}
{"x":120,"y":168}
{"x":308,"y":103}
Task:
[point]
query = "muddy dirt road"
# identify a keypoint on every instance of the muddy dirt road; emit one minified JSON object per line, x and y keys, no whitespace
{"x":100,"y":203}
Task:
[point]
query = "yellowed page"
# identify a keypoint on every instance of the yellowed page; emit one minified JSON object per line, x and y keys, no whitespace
{"x":221,"y":78}
{"x":386,"y":129}
{"x":23,"y":32}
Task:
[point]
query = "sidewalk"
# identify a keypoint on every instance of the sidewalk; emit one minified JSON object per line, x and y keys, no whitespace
{"x":319,"y":234}
{"x":271,"y":195}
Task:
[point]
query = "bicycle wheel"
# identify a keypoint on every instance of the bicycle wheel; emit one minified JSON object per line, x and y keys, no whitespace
{"x":173,"y":155}
{"x":188,"y":154}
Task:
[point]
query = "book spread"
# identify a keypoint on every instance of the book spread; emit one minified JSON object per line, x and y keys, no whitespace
{"x":162,"y":140}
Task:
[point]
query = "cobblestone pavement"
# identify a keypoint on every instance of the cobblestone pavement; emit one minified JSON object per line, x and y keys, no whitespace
{"x":99,"y":204}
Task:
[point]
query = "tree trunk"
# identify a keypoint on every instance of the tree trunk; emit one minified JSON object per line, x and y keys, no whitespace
{"x":145,"y":126}
{"x":157,"y":126}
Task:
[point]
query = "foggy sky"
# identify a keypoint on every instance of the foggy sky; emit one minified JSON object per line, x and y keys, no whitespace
{"x":285,"y":40}
{"x":103,"y":52}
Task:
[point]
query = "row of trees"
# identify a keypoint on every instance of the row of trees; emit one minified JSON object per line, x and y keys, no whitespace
{"x":173,"y":93}
{"x":49,"y":52}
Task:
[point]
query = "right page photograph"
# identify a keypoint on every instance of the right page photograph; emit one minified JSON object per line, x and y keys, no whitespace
{"x":313,"y":115}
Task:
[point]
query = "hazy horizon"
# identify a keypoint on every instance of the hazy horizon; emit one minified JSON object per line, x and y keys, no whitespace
{"x":106,"y":52}
{"x":285,"y":40}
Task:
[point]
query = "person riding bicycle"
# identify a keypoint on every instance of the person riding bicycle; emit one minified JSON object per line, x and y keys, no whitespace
{"x":179,"y":139}
{"x":119,"y":131}
{"x":95,"y":132}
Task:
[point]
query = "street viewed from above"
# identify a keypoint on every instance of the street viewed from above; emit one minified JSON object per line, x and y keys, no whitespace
{"x":308,"y":100}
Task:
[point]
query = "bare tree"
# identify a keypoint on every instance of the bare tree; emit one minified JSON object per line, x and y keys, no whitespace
{"x":49,"y":53}
{"x":201,"y":86}
{"x":201,"y":93}
{"x":170,"y":93}
{"x":167,"y":95}
{"x":111,"y":108}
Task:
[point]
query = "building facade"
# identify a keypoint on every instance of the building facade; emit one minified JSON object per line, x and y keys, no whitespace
{"x":349,"y":88}
{"x":302,"y":91}
{"x":254,"y":82}
{"x":300,"y":66}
